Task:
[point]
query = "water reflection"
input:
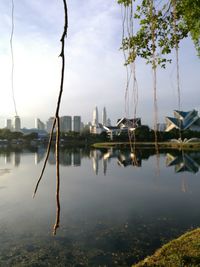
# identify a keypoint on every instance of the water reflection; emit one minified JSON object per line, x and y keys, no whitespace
{"x":182,"y":161}
{"x":113,"y":220}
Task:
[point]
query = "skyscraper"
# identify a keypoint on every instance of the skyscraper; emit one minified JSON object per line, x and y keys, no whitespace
{"x":9,"y":124}
{"x":104,"y":117}
{"x":16,"y":124}
{"x":49,"y":124}
{"x":66,"y":123}
{"x":39,"y":125}
{"x":95,"y":120}
{"x":77,"y":124}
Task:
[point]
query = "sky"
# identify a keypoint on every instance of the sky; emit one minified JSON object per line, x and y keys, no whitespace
{"x":95,"y":74}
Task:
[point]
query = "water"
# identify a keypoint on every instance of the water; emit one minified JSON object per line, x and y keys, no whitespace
{"x":116,"y":208}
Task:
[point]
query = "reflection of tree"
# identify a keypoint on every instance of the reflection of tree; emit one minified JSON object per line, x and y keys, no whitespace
{"x":184,"y":161}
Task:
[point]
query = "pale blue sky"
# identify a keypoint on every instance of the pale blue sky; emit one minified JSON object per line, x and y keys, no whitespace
{"x":95,"y":74}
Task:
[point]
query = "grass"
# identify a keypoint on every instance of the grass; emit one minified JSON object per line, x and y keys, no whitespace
{"x":183,"y":251}
{"x":161,"y":145}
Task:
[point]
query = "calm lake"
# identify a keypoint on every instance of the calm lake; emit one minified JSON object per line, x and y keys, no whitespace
{"x":116,"y":207}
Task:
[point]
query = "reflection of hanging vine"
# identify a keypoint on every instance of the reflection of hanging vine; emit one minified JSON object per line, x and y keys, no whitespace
{"x":57,"y":124}
{"x":154,"y":69}
{"x":177,"y":61}
{"x":12,"y":56}
{"x":131,"y":81}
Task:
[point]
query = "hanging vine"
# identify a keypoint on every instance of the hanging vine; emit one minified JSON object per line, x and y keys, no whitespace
{"x":131,"y":90}
{"x":12,"y":55}
{"x":162,"y":25}
{"x":56,"y":123}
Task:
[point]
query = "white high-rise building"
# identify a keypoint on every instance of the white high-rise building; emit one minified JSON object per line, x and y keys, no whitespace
{"x":49,"y":124}
{"x":77,"y":124}
{"x":9,"y":124}
{"x":104,"y":117}
{"x":95,"y":120}
{"x":16,"y":124}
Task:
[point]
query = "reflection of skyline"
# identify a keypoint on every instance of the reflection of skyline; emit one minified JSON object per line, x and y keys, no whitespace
{"x":100,"y":159}
{"x":183,"y":162}
{"x":12,"y":158}
{"x":124,"y":158}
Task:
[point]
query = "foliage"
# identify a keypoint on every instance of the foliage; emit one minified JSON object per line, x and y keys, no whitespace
{"x":183,"y":251}
{"x":162,"y":25}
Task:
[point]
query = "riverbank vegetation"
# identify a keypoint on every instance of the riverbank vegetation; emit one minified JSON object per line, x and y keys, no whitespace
{"x":183,"y":251}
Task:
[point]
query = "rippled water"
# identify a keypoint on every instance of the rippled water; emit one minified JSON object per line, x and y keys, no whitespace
{"x":116,"y":207}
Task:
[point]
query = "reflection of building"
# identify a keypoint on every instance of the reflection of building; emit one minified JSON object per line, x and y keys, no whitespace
{"x":39,"y":155}
{"x":66,"y":123}
{"x":16,"y":159}
{"x":183,"y":120}
{"x":126,"y":159}
{"x":7,"y":158}
{"x":77,"y":124}
{"x":77,"y":158}
{"x":184,"y":162}
{"x":68,"y":158}
{"x":16,"y":124}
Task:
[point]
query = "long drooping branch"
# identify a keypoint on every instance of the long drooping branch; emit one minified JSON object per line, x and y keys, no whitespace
{"x":12,"y":56}
{"x":56,"y":123}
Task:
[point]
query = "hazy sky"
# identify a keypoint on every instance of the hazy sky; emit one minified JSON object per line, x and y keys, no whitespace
{"x":94,"y":75}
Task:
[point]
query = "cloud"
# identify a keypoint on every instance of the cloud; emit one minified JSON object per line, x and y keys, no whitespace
{"x":95,"y":74}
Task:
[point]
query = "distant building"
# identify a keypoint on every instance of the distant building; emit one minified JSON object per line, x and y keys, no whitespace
{"x":66,"y":124}
{"x":16,"y":124}
{"x":95,"y":118}
{"x":161,"y":127}
{"x":49,"y":124}
{"x":183,"y":120}
{"x":130,"y":124}
{"x":104,"y":117}
{"x":39,"y":125}
{"x":108,"y":122}
{"x":9,"y":124}
{"x":77,"y":124}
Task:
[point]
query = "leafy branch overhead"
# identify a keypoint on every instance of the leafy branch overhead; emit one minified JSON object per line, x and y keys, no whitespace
{"x":170,"y":21}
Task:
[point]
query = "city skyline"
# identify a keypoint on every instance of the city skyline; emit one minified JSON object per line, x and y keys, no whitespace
{"x":98,"y":78}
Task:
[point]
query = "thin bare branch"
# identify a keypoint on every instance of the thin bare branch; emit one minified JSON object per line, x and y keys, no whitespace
{"x":57,"y":123}
{"x":46,"y":157}
{"x":12,"y":56}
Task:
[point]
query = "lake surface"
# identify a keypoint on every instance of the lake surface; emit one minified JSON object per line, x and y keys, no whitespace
{"x":116,"y":207}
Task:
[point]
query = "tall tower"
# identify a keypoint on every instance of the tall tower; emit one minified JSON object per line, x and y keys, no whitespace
{"x":66,"y":123}
{"x":104,"y":117}
{"x":95,"y":120}
{"x":9,"y":124}
{"x":39,"y":124}
{"x":77,"y":124}
{"x":16,"y":124}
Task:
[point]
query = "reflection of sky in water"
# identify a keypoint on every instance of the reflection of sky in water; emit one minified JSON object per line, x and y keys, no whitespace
{"x":100,"y":200}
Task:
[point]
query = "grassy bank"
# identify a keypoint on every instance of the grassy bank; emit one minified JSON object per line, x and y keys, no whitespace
{"x":161,"y":145}
{"x":183,"y":251}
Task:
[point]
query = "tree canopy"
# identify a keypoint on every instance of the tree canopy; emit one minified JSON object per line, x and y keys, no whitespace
{"x":162,"y":25}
